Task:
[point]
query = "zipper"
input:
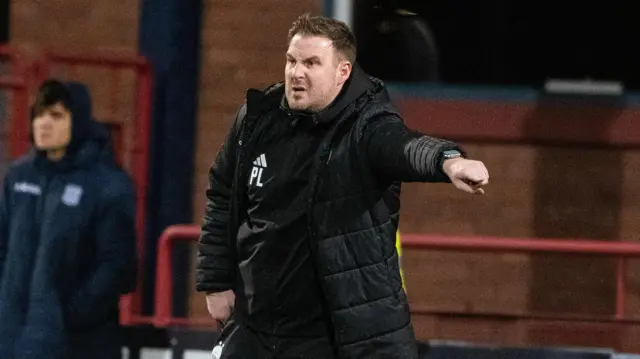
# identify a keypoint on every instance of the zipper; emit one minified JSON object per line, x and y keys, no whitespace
{"x":40,"y":205}
{"x":312,"y":240}
{"x":352,"y":116}
{"x":37,"y":228}
{"x":323,"y":160}
{"x":238,"y":193}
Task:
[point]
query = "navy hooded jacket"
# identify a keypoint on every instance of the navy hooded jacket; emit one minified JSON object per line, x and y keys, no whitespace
{"x":67,"y":246}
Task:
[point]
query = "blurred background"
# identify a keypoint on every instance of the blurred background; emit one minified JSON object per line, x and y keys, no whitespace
{"x":547,"y":94}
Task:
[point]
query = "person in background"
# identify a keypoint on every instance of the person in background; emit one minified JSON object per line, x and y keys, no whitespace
{"x":67,"y":236}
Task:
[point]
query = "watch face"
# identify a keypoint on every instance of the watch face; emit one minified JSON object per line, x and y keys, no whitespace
{"x":452,"y":154}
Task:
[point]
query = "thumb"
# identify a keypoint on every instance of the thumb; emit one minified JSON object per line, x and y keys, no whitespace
{"x":468,"y":186}
{"x":463,"y":186}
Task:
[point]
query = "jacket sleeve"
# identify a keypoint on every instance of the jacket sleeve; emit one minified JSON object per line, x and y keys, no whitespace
{"x":397,"y":153}
{"x":116,"y":257}
{"x":216,"y":262}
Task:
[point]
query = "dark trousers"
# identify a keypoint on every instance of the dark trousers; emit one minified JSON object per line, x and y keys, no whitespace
{"x":241,"y":342}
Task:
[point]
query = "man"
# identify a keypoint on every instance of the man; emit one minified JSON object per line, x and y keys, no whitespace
{"x":298,"y":239}
{"x":67,"y":236}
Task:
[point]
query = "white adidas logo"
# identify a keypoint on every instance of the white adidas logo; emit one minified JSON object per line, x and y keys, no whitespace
{"x":259,"y":165}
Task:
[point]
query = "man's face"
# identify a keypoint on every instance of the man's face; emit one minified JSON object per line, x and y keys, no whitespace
{"x":52,"y":128}
{"x":314,"y":73}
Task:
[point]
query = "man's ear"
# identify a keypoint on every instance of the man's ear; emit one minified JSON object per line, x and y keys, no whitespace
{"x":344,"y":71}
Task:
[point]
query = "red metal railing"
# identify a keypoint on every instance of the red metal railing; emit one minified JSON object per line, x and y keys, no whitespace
{"x":19,"y":113}
{"x":621,"y":250}
{"x":17,"y":82}
{"x":164,"y":286}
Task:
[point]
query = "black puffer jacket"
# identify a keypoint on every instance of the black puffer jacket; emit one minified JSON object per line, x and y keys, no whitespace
{"x":353,"y":206}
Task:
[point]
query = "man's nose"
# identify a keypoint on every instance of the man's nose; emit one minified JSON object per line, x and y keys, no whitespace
{"x":297,"y":71}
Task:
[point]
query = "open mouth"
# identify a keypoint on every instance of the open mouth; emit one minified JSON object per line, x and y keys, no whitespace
{"x":298,"y":88}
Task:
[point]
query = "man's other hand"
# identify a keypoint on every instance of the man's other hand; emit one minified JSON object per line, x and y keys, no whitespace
{"x":220,"y":305}
{"x":467,"y":175}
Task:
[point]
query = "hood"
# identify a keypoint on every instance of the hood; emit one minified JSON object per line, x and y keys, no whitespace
{"x":82,"y":118}
{"x":359,"y":84}
{"x":96,"y":147}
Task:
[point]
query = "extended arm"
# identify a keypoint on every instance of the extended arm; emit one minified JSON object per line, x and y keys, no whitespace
{"x":398,"y":153}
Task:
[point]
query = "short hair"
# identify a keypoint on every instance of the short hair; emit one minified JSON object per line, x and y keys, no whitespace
{"x":344,"y":42}
{"x":50,"y":93}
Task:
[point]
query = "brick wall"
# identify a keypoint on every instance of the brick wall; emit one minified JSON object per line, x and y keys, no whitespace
{"x":84,"y":27}
{"x":75,"y":24}
{"x":540,"y":191}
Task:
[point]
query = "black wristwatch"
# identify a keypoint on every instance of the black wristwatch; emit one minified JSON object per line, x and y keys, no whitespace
{"x":448,"y":154}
